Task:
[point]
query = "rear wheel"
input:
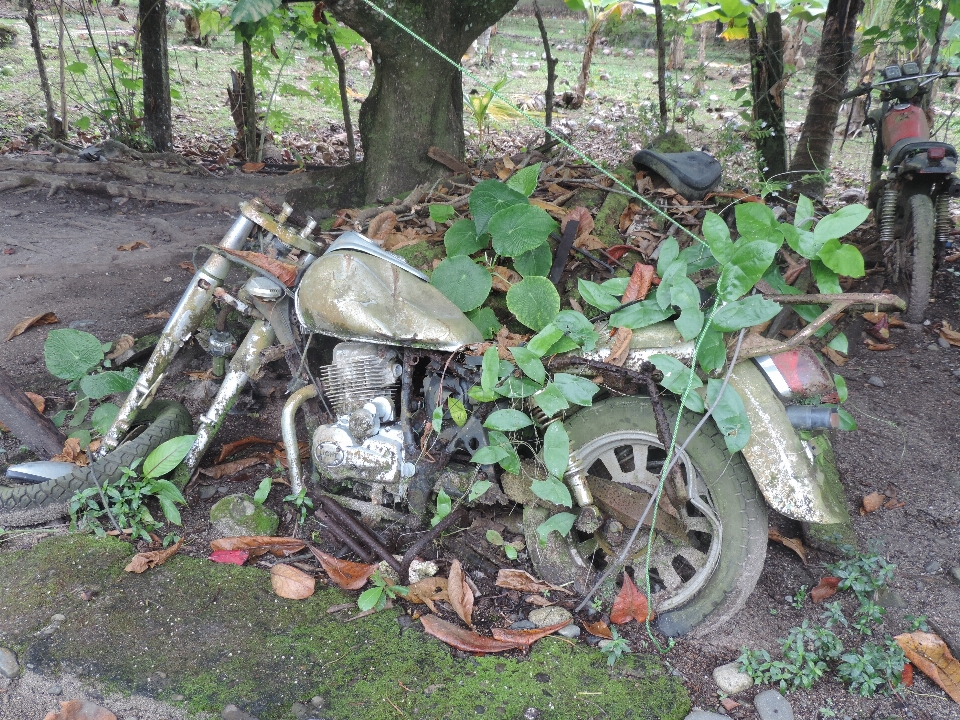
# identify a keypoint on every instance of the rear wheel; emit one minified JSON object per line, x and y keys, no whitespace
{"x":706,"y":556}
{"x":918,"y":246}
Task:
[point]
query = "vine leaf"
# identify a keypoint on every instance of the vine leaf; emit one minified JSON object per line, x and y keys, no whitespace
{"x":490,"y":197}
{"x":525,"y":181}
{"x":462,"y":239}
{"x":465,"y":283}
{"x":534,"y":301}
{"x":519,"y":229}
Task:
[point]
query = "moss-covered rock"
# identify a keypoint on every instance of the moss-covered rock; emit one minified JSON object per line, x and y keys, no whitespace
{"x":670,"y":142}
{"x":238,"y":514}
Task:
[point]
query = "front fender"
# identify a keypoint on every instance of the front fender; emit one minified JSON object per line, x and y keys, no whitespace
{"x":787,"y":476}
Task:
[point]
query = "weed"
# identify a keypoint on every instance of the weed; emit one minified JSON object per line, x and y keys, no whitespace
{"x":614,"y":649}
{"x":876,"y":668}
{"x":797,"y":599}
{"x":375,"y":598}
{"x":916,"y":622}
{"x":864,"y":574}
{"x":833,"y":615}
{"x":868,"y":614}
{"x":301,"y":502}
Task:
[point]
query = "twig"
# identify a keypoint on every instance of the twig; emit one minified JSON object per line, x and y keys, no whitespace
{"x":344,"y":101}
{"x":428,"y":538}
{"x":394,"y":706}
{"x":334,"y":509}
{"x":340,"y":535}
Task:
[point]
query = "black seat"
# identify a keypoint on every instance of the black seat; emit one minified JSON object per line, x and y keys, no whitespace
{"x":911,"y":146}
{"x":692,"y":174}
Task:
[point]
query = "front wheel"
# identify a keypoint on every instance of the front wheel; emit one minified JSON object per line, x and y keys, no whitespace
{"x":919,"y":238}
{"x":706,"y":556}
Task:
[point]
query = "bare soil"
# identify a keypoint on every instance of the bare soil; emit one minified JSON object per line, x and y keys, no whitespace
{"x":61,"y":254}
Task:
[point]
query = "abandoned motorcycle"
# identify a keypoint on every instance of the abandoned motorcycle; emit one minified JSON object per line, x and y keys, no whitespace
{"x":399,"y":359}
{"x":912,"y":199}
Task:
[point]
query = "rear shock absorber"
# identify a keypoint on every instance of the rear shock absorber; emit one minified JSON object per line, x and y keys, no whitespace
{"x":944,"y":221}
{"x":888,"y":214}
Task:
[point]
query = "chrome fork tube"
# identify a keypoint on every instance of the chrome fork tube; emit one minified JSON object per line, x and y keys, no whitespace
{"x":182,"y":323}
{"x":288,"y":426}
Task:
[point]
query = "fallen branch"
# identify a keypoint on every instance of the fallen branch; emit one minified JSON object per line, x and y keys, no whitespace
{"x":406,"y":206}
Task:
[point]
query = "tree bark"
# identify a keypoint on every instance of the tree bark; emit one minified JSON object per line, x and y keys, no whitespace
{"x":249,"y":96}
{"x":551,"y":72}
{"x":700,"y":84}
{"x":156,"y":77}
{"x":29,"y":427}
{"x":416,"y":101}
{"x":766,"y":65}
{"x":53,"y":125}
{"x":661,"y":66}
{"x":344,"y":100}
{"x":830,"y":81}
{"x":588,"y":47}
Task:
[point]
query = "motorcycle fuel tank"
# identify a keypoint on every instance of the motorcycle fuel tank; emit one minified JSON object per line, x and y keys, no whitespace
{"x":903,"y":122}
{"x":355,"y":295}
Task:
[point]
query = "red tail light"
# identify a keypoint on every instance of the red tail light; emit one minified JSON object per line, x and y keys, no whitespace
{"x":796,"y":373}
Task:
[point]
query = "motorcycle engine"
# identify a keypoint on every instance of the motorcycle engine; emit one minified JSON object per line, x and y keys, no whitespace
{"x":365,"y":444}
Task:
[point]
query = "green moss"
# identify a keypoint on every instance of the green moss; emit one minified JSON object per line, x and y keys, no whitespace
{"x":670,"y":142}
{"x":219,"y":635}
{"x":834,"y":536}
{"x":422,"y":254}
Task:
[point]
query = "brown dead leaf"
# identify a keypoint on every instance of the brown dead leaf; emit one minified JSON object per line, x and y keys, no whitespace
{"x":504,"y":278}
{"x":230,"y":448}
{"x":347,"y":575}
{"x":631,"y":604}
{"x":395,"y":241}
{"x":874,"y":317}
{"x":130,"y":246}
{"x":38,"y":401}
{"x":159,"y":315}
{"x":792,"y":543}
{"x":381,"y":226}
{"x":932,"y":656}
{"x":290,"y":583}
{"x":526,"y":638}
{"x":257,"y":545}
{"x":627,"y":216}
{"x":949,"y":334}
{"x":879,"y":347}
{"x":835,"y":357}
{"x":598,"y":628}
{"x":231,"y":468}
{"x":827,"y":588}
{"x":126,"y":342}
{"x":199,"y":374}
{"x":47,"y":318}
{"x":872,"y":503}
{"x":461,"y":596}
{"x":188,"y":266}
{"x":427,"y":590}
{"x":284,"y":272}
{"x":465,"y":640}
{"x":72,"y":453}
{"x":555,"y":210}
{"x":523,"y":581}
{"x":252,"y":167}
{"x":538,"y":600}
{"x":503,"y":173}
{"x":589,"y":242}
{"x":146,"y":560}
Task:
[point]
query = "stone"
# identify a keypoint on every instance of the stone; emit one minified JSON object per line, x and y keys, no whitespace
{"x":80,"y":710}
{"x":237,"y":515}
{"x":731,"y":680}
{"x":523,"y":625}
{"x":876,"y":381}
{"x":888,"y":599}
{"x":299,"y":710}
{"x":852,"y":195}
{"x":771,"y":705}
{"x":545,"y":616}
{"x":9,"y":667}
{"x":933,"y":346}
{"x":571,"y":632}
{"x":956,"y":373}
{"x":317,"y":701}
{"x":955,"y":574}
{"x":704,"y":715}
{"x":556,"y":561}
{"x":943,"y":343}
{"x":232,"y":712}
{"x":54,"y":690}
{"x":932,"y":567}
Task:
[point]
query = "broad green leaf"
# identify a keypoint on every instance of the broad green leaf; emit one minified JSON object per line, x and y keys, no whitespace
{"x":842,"y":259}
{"x":577,"y":5}
{"x":804,"y":216}
{"x":801,"y":241}
{"x":507,"y":419}
{"x":729,"y":414}
{"x":530,"y":363}
{"x":83,"y":436}
{"x":577,"y":329}
{"x":444,"y":506}
{"x":506,"y":369}
{"x":250,"y":11}
{"x":690,"y":322}
{"x":684,"y":293}
{"x":836,"y":225}
{"x":461,"y":239}
{"x":615,"y":286}
{"x":551,"y":400}
{"x":847,"y":421}
{"x":103,"y":417}
{"x":511,"y":463}
{"x":827,"y":280}
{"x":747,"y":312}
{"x":534,"y":262}
{"x":494,"y":538}
{"x":80,"y":411}
{"x":556,"y":454}
{"x":534,"y":302}
{"x":755,"y":221}
{"x":489,"y":455}
{"x":490,"y":369}
{"x":209,"y":21}
{"x":524,"y":181}
{"x":577,"y":390}
{"x":457,"y":411}
{"x":640,"y":315}
{"x":669,"y":251}
{"x":749,"y":261}
{"x":596,"y":296}
{"x":840,"y":343}
{"x":370,"y":598}
{"x":167,"y":456}
{"x":490,"y":197}
{"x":166,"y":489}
{"x":106,"y":383}
{"x":676,"y":272}
{"x":515,"y":388}
{"x":841,"y":386}
{"x":485,"y":321}
{"x":717,"y":235}
{"x":540,"y":343}
{"x":436,"y":420}
{"x":77,"y":67}
{"x":560,"y":523}
{"x":733,"y":8}
{"x":170,"y":511}
{"x":70,"y":354}
{"x":713,"y":352}
{"x":442,"y":213}
{"x":697,"y":257}
{"x":478,"y":394}
{"x":510,"y":551}
{"x":552,"y":490}
{"x":478,"y":489}
{"x":676,"y":376}
{"x":519,"y":229}
{"x":465,"y":283}
{"x":263,"y":491}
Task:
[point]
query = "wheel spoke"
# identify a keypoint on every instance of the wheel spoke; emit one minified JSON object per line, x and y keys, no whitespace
{"x":612,"y":464}
{"x":693,"y":556}
{"x":698,"y":524}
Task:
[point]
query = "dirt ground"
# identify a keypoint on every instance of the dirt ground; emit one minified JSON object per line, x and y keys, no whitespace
{"x":60,"y":254}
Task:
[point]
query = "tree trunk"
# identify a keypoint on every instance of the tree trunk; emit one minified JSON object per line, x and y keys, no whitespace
{"x":830,"y":81}
{"x":700,"y":84}
{"x":676,"y":43}
{"x":766,"y":65}
{"x":249,"y":106}
{"x":416,"y":101}
{"x":53,"y":124}
{"x":156,"y":77}
{"x":661,"y":66}
{"x":551,"y":73}
{"x":588,"y":47}
{"x":344,"y":99}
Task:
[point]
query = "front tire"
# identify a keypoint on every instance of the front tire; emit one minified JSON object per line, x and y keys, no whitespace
{"x":703,"y":580}
{"x":920,"y":235}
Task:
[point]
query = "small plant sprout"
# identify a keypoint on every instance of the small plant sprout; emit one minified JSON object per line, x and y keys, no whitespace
{"x":916,"y":622}
{"x":300,"y":501}
{"x":797,"y":599}
{"x":615,"y":648}
{"x":375,"y":598}
{"x":833,"y":615}
{"x":510,"y":549}
{"x":263,"y":491}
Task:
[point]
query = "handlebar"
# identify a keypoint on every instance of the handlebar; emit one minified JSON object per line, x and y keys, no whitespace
{"x":924,"y":79}
{"x":859,"y":90}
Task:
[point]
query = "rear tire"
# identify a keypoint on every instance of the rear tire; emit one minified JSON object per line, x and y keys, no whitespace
{"x":919,"y":236}
{"x":24,"y":505}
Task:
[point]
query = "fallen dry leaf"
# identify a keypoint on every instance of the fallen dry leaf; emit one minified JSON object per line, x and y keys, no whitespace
{"x":427,"y":590}
{"x":188,"y":266}
{"x":538,"y":600}
{"x":631,"y":604}
{"x":827,"y":588}
{"x":504,"y":278}
{"x":229,"y":557}
{"x":461,"y":596}
{"x":230,"y":468}
{"x":949,"y":334}
{"x":126,"y":342}
{"x":284,"y":272}
{"x":347,"y":575}
{"x":381,"y":226}
{"x":792,"y":543}
{"x":835,"y":357}
{"x":38,"y":401}
{"x":146,"y":560}
{"x":230,"y":448}
{"x":252,"y":167}
{"x":589,"y":242}
{"x":524,"y":582}
{"x":880,"y":347}
{"x":555,"y":210}
{"x":932,"y":656}
{"x":526,"y":638}
{"x":395,"y":241}
{"x":290,"y":583}
{"x":598,"y":628}
{"x":872,"y":503}
{"x":80,"y":710}
{"x":72,"y":453}
{"x":159,"y":315}
{"x":47,"y":318}
{"x":130,"y":246}
{"x":257,"y":545}
{"x":906,"y":675}
{"x":465,"y":640}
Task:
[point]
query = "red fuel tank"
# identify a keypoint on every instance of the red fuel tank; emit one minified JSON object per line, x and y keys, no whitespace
{"x":910,"y":122}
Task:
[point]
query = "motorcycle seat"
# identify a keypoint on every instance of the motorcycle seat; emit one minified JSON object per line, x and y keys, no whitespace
{"x":692,"y":174}
{"x":910,"y":146}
